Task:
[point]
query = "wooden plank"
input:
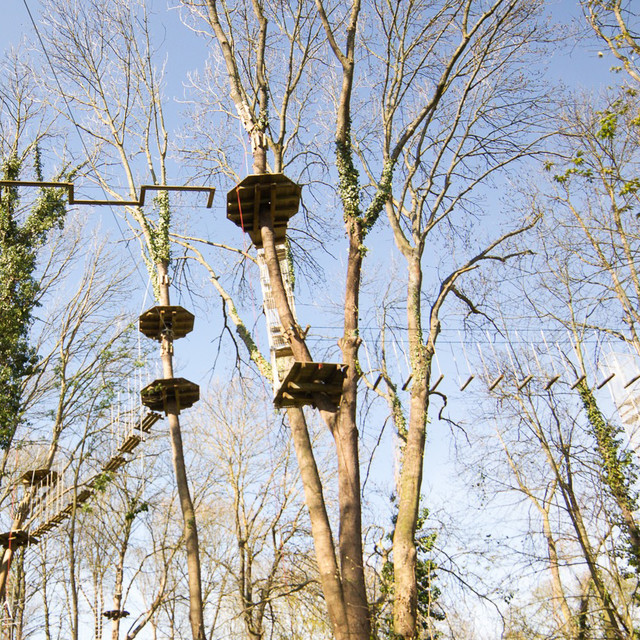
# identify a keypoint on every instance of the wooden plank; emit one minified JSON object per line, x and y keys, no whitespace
{"x":130,"y":444}
{"x":149,"y":420}
{"x":315,"y":387}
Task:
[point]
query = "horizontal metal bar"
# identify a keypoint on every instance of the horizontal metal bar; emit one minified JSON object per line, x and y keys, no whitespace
{"x":114,"y":203}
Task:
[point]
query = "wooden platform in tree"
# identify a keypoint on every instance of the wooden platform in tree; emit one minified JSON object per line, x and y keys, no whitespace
{"x":83,"y":496}
{"x":17,"y":538}
{"x":259,"y":191}
{"x":157,"y":394}
{"x":307,"y":379}
{"x":38,"y":477}
{"x":157,"y":321}
{"x":115,"y":614}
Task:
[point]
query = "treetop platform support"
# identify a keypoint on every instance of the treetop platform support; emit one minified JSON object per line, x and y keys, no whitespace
{"x":305,"y":380}
{"x":69,"y":187}
{"x":17,"y":538}
{"x":39,"y":477}
{"x":163,"y":320}
{"x":115,"y":614}
{"x":159,"y":393}
{"x":259,"y":191}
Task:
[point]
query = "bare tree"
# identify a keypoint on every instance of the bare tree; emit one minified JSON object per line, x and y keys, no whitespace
{"x":460,"y":53}
{"x":258,"y":508}
{"x":105,"y":63}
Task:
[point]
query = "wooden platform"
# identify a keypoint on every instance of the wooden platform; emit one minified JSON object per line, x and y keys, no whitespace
{"x":259,"y":191}
{"x":115,"y":614}
{"x":307,"y":379}
{"x":83,"y":496}
{"x":17,"y":538}
{"x":157,"y":321}
{"x":159,"y":392}
{"x":38,"y":477}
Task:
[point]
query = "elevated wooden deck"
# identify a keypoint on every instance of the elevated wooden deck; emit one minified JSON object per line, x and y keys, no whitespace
{"x":160,"y":392}
{"x":158,"y":321}
{"x":17,"y":538}
{"x":39,"y":477}
{"x":256,"y":192}
{"x":305,"y":380}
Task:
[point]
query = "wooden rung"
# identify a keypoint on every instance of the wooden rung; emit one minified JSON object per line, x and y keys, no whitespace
{"x":634,"y":379}
{"x":114,"y":463}
{"x":467,"y":382}
{"x":524,"y":382}
{"x":578,"y":381}
{"x":606,"y":380}
{"x":550,"y":382}
{"x":438,"y":381}
{"x":130,"y":444}
{"x":496,"y":382}
{"x":149,"y":420}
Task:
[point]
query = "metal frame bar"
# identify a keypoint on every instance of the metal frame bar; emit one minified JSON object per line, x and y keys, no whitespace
{"x":115,"y":203}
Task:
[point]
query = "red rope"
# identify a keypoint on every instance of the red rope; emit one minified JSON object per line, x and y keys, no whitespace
{"x":241,"y":218}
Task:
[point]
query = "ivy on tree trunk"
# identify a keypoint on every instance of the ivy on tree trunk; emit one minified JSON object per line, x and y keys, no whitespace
{"x":21,"y":235}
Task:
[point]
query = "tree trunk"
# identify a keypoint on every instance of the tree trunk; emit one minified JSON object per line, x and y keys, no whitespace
{"x":117,"y":591}
{"x":190,"y":530}
{"x":346,"y":593}
{"x":612,"y":620}
{"x":346,"y":437}
{"x":320,"y":527}
{"x":404,"y":547}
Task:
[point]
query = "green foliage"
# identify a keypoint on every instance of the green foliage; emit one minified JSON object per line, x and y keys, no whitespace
{"x":426,"y":576}
{"x":607,"y":136}
{"x":608,"y":124}
{"x":135,"y":508}
{"x":619,"y":470}
{"x":576,"y":168}
{"x":19,"y":244}
{"x":102,"y":480}
{"x":160,"y":245}
{"x":158,"y":249}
